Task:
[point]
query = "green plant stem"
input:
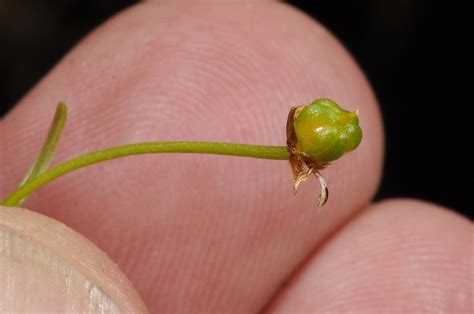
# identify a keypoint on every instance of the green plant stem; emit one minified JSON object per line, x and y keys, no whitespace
{"x":48,"y":149}
{"x":243,"y":150}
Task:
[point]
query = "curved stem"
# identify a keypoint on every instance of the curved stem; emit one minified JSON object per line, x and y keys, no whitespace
{"x":243,"y":150}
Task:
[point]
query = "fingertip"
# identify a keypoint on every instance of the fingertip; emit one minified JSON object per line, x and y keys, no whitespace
{"x":400,"y":255}
{"x":203,"y":72}
{"x":47,"y":267}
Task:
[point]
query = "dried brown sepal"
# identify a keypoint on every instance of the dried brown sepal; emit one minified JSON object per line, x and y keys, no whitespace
{"x":324,"y":195}
{"x":301,"y":165}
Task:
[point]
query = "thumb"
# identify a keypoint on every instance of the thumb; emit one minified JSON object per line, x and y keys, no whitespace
{"x":47,"y":267}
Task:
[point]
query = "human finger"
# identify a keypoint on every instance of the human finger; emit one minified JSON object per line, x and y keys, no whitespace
{"x":197,"y":232}
{"x":47,"y":267}
{"x":399,"y":256}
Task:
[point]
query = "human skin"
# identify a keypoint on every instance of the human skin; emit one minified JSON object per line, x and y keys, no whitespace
{"x":198,"y":233}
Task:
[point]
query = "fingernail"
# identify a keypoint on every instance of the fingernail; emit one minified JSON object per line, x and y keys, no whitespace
{"x":47,"y":267}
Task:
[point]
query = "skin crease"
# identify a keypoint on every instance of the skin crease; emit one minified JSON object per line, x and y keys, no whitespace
{"x":197,"y":233}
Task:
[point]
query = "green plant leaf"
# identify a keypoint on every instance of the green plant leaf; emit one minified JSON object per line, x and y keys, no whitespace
{"x":46,"y":154}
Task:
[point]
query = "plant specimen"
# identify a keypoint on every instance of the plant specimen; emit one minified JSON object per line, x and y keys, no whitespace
{"x":317,"y":134}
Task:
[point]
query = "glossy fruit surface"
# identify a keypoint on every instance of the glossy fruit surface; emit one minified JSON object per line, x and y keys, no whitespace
{"x":324,"y":131}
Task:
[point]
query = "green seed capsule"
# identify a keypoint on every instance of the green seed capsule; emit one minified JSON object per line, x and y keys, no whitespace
{"x":317,"y":134}
{"x":324,"y":131}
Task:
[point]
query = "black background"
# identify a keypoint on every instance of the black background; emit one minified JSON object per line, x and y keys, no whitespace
{"x":397,"y":43}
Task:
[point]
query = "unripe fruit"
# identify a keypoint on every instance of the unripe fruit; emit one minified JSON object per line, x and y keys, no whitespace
{"x":324,"y":131}
{"x":317,"y":134}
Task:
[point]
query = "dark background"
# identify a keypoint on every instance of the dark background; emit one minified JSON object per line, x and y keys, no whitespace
{"x":396,"y":43}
